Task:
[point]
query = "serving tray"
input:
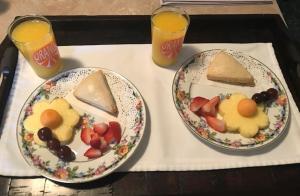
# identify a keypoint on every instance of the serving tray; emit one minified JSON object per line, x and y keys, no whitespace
{"x":95,"y":30}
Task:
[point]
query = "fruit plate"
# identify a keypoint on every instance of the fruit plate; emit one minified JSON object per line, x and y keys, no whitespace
{"x":131,"y":117}
{"x":190,"y":81}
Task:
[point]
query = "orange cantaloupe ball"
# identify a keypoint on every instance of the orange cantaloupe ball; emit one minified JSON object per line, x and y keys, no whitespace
{"x":51,"y":118}
{"x":247,"y":107}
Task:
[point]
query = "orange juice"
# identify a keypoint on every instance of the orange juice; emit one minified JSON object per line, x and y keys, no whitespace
{"x":168,"y":31}
{"x":35,"y":39}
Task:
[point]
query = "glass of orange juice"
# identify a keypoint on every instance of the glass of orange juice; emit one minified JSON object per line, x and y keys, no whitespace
{"x":168,"y":27}
{"x":34,"y":37}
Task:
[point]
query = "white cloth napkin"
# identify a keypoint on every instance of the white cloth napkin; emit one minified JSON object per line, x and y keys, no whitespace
{"x":216,"y":2}
{"x":167,"y":144}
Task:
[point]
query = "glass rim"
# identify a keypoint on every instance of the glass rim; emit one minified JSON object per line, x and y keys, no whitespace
{"x":176,"y":9}
{"x":22,"y":19}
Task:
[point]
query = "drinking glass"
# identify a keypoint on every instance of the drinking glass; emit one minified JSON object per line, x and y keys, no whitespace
{"x":34,"y":37}
{"x":168,"y":27}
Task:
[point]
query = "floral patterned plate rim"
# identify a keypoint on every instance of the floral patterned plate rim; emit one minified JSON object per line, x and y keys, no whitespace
{"x":190,"y":81}
{"x":132,"y":117}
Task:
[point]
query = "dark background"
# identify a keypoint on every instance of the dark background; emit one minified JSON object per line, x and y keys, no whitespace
{"x":291,"y":13}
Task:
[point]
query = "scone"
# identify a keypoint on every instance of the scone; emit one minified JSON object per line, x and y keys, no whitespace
{"x":95,"y":91}
{"x":225,"y":68}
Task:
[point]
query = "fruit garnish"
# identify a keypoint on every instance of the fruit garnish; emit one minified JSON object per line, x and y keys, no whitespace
{"x":104,"y":145}
{"x":216,"y":124}
{"x":265,"y":96}
{"x":100,"y":128}
{"x":45,"y":134}
{"x":86,"y":135}
{"x":273,"y":93}
{"x":95,"y":141}
{"x":247,"y":107}
{"x":100,"y":137}
{"x":197,"y":103}
{"x":210,"y":107}
{"x":93,"y":153}
{"x":53,"y":144}
{"x":57,"y":114}
{"x":113,"y":134}
{"x":257,"y":98}
{"x":232,"y":110}
{"x":51,"y":118}
{"x":200,"y":113}
{"x":65,"y":153}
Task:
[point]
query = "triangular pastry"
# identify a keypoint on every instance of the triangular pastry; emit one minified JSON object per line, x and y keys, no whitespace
{"x":225,"y":68}
{"x":95,"y":91}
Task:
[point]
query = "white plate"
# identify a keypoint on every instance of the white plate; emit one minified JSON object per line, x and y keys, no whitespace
{"x":132,"y":118}
{"x":190,"y":81}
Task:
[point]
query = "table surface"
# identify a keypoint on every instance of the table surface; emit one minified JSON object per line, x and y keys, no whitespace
{"x":283,"y":179}
{"x":9,"y":9}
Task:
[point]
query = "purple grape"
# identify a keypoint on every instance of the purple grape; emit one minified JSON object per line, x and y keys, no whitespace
{"x":273,"y":93}
{"x":65,"y":153}
{"x":45,"y":134}
{"x":265,"y":96}
{"x":53,"y":144}
{"x":257,"y":97}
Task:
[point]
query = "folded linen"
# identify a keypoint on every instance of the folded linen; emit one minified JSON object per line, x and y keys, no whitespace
{"x":167,"y":144}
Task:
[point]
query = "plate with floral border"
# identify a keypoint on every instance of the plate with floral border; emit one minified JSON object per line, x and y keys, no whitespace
{"x":131,"y":117}
{"x":190,"y":81}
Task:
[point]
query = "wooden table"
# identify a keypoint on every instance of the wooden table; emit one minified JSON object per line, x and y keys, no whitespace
{"x":283,"y":179}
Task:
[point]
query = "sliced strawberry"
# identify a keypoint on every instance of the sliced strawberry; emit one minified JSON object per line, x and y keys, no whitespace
{"x":104,"y":145}
{"x":113,"y":134}
{"x":200,"y":113}
{"x":86,"y":135}
{"x":216,"y":124}
{"x":210,"y":107}
{"x":197,"y":103}
{"x":109,"y":136}
{"x":116,"y":128}
{"x":95,"y":141}
{"x":93,"y":153}
{"x":100,"y":128}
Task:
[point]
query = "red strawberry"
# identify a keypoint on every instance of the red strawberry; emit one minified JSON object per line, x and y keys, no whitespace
{"x":93,"y":153}
{"x":210,"y":107}
{"x":86,"y":135}
{"x":197,"y":103}
{"x":113,"y":134}
{"x":216,"y":124}
{"x":95,"y":141}
{"x":104,"y":145}
{"x":100,"y":128}
{"x":200,"y":113}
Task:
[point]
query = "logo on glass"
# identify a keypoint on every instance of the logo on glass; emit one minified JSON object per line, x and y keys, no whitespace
{"x":46,"y":56}
{"x":171,"y":48}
